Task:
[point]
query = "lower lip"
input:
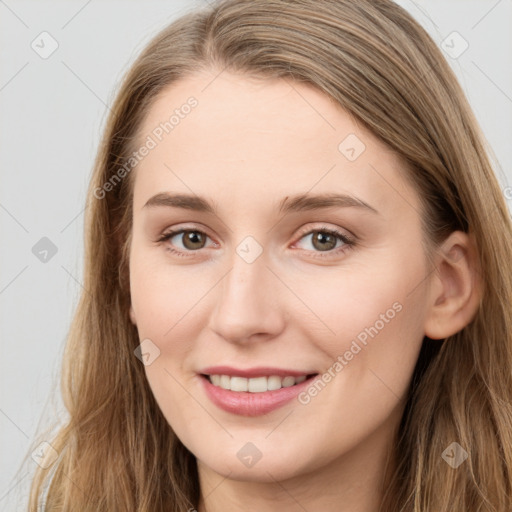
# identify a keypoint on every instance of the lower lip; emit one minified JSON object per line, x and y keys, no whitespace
{"x":245,"y":403}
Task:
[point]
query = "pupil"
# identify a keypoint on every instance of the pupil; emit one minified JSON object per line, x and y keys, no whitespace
{"x":321,"y":237}
{"x":192,"y":236}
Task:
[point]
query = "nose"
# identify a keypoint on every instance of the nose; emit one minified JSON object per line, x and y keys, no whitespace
{"x":248,"y":303}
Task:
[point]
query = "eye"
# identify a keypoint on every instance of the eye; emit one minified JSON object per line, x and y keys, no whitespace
{"x":191,"y":240}
{"x":324,"y":240}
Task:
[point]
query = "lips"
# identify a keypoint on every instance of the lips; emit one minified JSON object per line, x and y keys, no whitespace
{"x":253,"y":391}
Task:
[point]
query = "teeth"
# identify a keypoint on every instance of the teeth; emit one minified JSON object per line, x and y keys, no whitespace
{"x":239,"y":384}
{"x":274,"y":383}
{"x":256,"y":384}
{"x":288,"y":381}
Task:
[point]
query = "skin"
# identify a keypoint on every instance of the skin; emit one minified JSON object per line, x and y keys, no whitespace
{"x":246,"y":146}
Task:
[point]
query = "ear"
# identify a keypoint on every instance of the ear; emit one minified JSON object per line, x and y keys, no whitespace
{"x":455,"y":289}
{"x":132,"y":315}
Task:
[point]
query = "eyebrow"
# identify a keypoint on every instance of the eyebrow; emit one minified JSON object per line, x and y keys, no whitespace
{"x":296,"y":203}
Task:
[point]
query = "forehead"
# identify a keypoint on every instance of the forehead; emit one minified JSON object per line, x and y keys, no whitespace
{"x":252,"y":137}
{"x":251,"y":112}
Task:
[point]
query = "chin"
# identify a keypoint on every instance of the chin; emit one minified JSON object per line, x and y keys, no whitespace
{"x":246,"y":463}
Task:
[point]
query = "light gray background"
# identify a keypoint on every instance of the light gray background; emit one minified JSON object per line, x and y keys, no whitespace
{"x":53,"y":111}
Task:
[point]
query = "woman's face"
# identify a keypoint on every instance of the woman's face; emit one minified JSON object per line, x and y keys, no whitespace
{"x":262,"y":285}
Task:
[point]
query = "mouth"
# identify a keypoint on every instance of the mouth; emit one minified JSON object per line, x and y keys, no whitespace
{"x":253,"y":391}
{"x":261,"y":384}
{"x":253,"y":395}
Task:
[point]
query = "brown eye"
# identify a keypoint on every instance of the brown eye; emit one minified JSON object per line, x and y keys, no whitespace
{"x":323,"y":241}
{"x":193,"y":240}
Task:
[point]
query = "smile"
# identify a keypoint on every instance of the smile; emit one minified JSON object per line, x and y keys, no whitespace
{"x":253,"y":396}
{"x":255,"y":384}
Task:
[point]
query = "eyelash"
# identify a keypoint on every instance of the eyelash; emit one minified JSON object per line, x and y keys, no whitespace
{"x":348,"y":241}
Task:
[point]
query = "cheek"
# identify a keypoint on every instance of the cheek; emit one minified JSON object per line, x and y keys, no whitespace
{"x":375,"y":321}
{"x":167,"y":303}
{"x":161,"y":295}
{"x":163,"y":299}
{"x":377,"y":298}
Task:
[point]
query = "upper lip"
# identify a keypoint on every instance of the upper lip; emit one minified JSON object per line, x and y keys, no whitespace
{"x":259,"y":371}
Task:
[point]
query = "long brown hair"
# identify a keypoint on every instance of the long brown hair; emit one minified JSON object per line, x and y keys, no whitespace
{"x":116,"y":452}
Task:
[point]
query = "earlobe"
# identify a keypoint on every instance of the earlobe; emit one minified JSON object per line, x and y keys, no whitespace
{"x":454,"y":295}
{"x":132,"y":315}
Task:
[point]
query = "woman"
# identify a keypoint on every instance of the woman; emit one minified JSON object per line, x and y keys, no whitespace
{"x":224,"y":357}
